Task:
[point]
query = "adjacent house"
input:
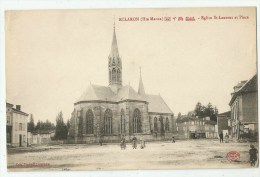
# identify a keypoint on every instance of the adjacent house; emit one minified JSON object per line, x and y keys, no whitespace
{"x":16,"y":126}
{"x":224,"y":123}
{"x":194,"y":128}
{"x":244,"y":113}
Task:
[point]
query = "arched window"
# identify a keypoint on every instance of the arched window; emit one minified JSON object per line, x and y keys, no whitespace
{"x":122,"y":122}
{"x":113,"y":74}
{"x":108,"y":122}
{"x":80,"y":123}
{"x":109,"y":75}
{"x":89,"y":122}
{"x":150,"y":123}
{"x":137,"y":125}
{"x":167,"y":124}
{"x":155,"y":126}
{"x":161,"y":124}
{"x":118,"y":75}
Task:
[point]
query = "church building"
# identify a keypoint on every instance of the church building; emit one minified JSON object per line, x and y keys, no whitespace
{"x":109,"y":112}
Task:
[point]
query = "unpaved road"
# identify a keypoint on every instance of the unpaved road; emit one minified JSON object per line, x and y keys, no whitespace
{"x":157,"y":155}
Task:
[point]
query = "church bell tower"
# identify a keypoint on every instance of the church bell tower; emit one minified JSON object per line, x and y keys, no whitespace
{"x":114,"y":66}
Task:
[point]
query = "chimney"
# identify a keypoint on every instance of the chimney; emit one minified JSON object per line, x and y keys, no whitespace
{"x":18,"y":107}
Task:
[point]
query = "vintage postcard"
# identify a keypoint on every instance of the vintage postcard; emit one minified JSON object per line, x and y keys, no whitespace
{"x":131,"y":89}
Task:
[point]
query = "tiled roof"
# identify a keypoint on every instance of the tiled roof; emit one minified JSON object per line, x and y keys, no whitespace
{"x":249,"y":86}
{"x":157,"y":104}
{"x":9,"y":104}
{"x":228,"y":113}
{"x":20,"y":112}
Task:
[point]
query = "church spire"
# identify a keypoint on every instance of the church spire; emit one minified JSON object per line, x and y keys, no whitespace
{"x":114,"y":49}
{"x":114,"y":65}
{"x":141,"y":85}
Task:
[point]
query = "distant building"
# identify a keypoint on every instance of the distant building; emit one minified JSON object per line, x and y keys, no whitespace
{"x":16,"y":126}
{"x":224,"y":123}
{"x":195,"y":128}
{"x":40,"y":137}
{"x":244,"y":113}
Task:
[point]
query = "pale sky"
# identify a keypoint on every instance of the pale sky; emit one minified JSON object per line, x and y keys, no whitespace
{"x":53,"y":55}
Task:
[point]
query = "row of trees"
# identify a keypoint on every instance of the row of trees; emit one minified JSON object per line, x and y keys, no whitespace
{"x":203,"y":111}
{"x":61,"y":128}
{"x":206,"y":111}
{"x":40,"y":125}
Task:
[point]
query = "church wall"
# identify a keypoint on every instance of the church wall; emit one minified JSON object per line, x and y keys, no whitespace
{"x":143,"y":107}
{"x":124,"y":106}
{"x":129,"y":107}
{"x":158,"y":133}
{"x":99,"y":113}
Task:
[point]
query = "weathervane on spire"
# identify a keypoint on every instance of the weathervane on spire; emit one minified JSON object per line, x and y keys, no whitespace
{"x":140,"y":71}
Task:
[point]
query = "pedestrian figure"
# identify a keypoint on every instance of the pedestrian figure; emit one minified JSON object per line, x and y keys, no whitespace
{"x":253,"y":155}
{"x":142,"y":143}
{"x":173,"y":139}
{"x":221,"y":137}
{"x":226,"y":138}
{"x":123,"y":143}
{"x":101,"y":140}
{"x":134,"y":142}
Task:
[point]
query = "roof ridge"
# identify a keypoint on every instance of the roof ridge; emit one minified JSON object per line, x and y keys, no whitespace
{"x":165,"y":103}
{"x":246,"y":83}
{"x":93,"y":90}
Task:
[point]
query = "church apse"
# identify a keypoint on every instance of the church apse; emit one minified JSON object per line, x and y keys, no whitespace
{"x":106,"y":113}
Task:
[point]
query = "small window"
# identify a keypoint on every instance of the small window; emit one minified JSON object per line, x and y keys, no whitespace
{"x":20,"y":126}
{"x":8,"y":120}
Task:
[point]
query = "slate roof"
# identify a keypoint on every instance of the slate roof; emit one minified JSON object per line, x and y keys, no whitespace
{"x":103,"y":93}
{"x":128,"y":93}
{"x":97,"y":93}
{"x":156,"y":103}
{"x":249,"y":86}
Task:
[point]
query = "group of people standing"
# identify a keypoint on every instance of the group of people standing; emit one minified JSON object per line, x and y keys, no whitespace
{"x":133,"y":141}
{"x":221,"y":137}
